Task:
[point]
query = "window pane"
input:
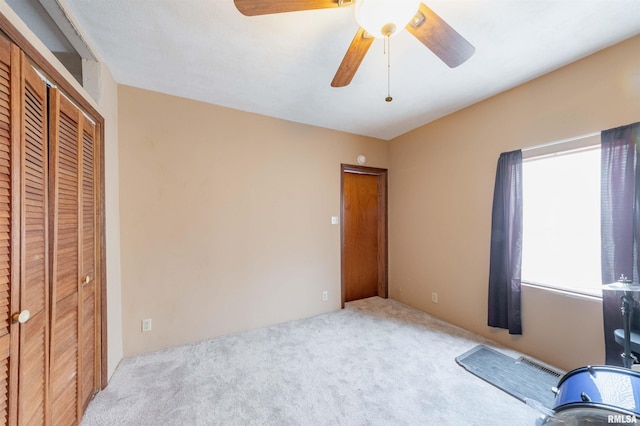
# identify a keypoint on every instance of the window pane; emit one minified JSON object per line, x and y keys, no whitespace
{"x":561,"y":221}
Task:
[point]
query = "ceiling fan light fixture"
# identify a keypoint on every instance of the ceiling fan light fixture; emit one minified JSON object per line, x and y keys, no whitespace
{"x":378,"y":17}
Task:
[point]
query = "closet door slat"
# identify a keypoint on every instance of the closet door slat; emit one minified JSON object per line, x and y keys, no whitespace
{"x":65,"y":124}
{"x":9,"y":228}
{"x":89,"y":359}
{"x":34,"y":289}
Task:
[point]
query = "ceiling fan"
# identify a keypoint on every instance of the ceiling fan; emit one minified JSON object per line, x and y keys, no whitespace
{"x":377,"y":19}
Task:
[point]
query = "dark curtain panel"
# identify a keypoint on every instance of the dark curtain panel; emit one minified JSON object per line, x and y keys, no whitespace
{"x":506,"y":244}
{"x":620,"y":186}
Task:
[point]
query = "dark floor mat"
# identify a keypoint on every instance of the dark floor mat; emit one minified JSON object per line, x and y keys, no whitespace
{"x":516,"y":377}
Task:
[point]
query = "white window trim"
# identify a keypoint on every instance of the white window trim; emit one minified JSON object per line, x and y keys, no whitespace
{"x":564,"y":291}
{"x":556,"y":147}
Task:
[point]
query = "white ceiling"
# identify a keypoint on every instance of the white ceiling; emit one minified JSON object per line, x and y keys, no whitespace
{"x":282,"y":65}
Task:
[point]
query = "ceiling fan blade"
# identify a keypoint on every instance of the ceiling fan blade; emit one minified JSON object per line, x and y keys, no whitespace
{"x":352,"y":59}
{"x":440,"y":38}
{"x":267,"y":7}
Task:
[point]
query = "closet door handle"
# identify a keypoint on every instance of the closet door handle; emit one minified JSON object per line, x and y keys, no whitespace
{"x":21,"y":317}
{"x":86,"y":279}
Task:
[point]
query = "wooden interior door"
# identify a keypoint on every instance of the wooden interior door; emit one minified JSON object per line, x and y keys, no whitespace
{"x":9,"y":228}
{"x":89,"y":359}
{"x":65,"y":123}
{"x":364,"y":233}
{"x":34,"y":268}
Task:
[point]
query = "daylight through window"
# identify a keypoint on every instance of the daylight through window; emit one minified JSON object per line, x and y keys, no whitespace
{"x":561,"y":221}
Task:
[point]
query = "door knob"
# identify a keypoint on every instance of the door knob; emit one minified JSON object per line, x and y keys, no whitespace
{"x":86,"y":279}
{"x":21,"y":317}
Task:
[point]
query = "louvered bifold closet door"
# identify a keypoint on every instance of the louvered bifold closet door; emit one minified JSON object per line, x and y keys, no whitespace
{"x":34,"y":292}
{"x":65,"y":122}
{"x":6,"y":112}
{"x":89,"y":356}
{"x":9,"y":227}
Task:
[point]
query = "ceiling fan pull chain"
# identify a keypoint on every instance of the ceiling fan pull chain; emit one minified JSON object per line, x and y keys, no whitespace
{"x":388,"y":43}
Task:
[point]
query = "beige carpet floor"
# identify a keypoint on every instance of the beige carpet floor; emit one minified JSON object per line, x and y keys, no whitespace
{"x":377,"y":362}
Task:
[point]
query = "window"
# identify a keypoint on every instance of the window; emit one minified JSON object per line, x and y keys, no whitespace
{"x":561,"y":221}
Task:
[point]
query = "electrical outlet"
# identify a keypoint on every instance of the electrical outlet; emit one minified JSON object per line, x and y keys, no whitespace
{"x":146,"y":324}
{"x":434,"y":297}
{"x":325,"y":296}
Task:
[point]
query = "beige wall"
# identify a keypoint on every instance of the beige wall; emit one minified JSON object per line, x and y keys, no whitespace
{"x":226,"y":218}
{"x":441,"y":189}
